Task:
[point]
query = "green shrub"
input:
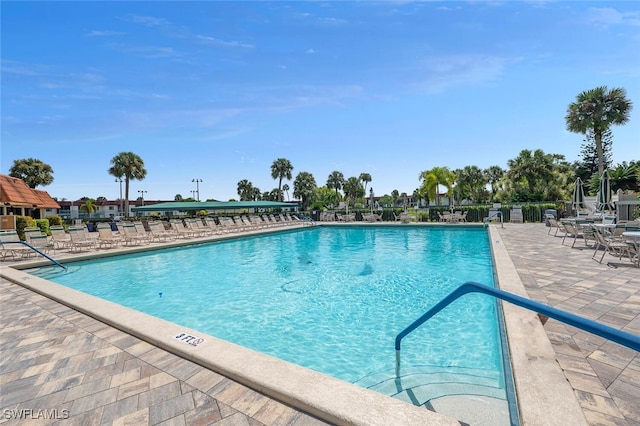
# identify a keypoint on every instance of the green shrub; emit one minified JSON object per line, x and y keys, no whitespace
{"x":24,"y":222}
{"x":54,"y":220}
{"x":43,"y":224}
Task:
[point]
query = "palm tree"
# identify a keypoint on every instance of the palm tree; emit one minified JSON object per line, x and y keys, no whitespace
{"x":494,"y":174}
{"x":286,"y":188}
{"x":257,"y":194}
{"x":470,"y":183}
{"x":596,"y":110}
{"x":335,"y":181}
{"x":395,"y":195}
{"x":89,"y":206}
{"x":304,"y":187}
{"x":281,"y":169}
{"x":32,"y":171}
{"x":245,"y":190}
{"x":431,"y":179}
{"x":130,"y":166}
{"x":353,"y":190}
{"x":365,"y":178}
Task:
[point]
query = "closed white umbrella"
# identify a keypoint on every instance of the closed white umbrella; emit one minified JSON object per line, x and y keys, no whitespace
{"x":604,"y":192}
{"x":578,"y":195}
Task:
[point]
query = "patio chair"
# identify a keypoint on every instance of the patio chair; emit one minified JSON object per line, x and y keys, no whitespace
{"x":11,"y":245}
{"x":61,"y":239}
{"x":159,"y":234}
{"x":577,"y":231}
{"x":107,"y":238}
{"x":612,"y":246}
{"x":130,"y":235}
{"x":80,"y":240}
{"x":553,"y":224}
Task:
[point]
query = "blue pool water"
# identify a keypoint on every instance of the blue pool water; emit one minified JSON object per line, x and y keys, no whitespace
{"x":328,"y":298}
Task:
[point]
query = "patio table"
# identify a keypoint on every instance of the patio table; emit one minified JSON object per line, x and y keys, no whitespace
{"x":634,"y":238}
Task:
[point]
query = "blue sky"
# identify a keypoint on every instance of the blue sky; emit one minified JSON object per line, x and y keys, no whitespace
{"x":218,"y":90}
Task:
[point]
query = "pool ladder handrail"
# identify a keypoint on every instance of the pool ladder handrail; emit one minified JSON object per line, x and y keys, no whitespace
{"x":626,"y":339}
{"x":37,"y":251}
{"x":487,"y":219}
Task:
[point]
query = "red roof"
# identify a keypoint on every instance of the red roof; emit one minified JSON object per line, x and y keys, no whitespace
{"x":16,"y":193}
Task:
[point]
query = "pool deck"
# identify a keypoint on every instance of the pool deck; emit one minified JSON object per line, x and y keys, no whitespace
{"x":56,"y":358}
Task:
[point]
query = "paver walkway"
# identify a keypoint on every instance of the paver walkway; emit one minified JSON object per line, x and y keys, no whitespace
{"x":56,"y":359}
{"x":70,"y":365}
{"x":604,"y":375}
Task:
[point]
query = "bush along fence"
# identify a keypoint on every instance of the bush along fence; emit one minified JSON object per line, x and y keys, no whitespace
{"x":531,"y":212}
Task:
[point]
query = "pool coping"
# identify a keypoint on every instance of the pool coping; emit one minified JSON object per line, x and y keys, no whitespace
{"x":541,"y":387}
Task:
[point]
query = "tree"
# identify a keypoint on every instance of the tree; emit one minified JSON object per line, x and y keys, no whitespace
{"x":431,"y":179}
{"x":101,"y":199}
{"x":625,"y":176}
{"x":304,"y":188}
{"x":589,"y":164}
{"x":286,"y":189}
{"x":89,"y":206}
{"x":281,"y":169}
{"x":245,"y":190}
{"x":178,"y":197}
{"x":327,"y":197}
{"x":365,"y":178}
{"x":596,"y":110}
{"x":32,"y":171}
{"x":353,"y":190}
{"x":470,"y":183}
{"x":130,"y":166}
{"x":494,"y":175}
{"x":536,"y":176}
{"x":395,"y":196}
{"x":335,"y":181}
{"x":386,"y":200}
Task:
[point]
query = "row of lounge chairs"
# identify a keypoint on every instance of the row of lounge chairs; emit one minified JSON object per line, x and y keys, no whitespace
{"x":78,"y":238}
{"x":605,"y":236}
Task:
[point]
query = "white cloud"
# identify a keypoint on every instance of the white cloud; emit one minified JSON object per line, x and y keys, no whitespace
{"x":457,"y":70}
{"x":98,"y":33}
{"x":224,"y":43}
{"x":604,"y":17}
{"x":148,"y":21}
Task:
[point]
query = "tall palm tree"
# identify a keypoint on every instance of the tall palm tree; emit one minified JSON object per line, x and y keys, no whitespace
{"x":130,"y":166}
{"x":32,"y":171}
{"x":335,"y":181}
{"x":596,"y":110}
{"x":304,"y":187}
{"x":281,"y":169}
{"x":365,"y":178}
{"x":286,"y":189}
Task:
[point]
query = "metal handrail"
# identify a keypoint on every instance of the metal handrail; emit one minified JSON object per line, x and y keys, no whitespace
{"x":36,"y":250}
{"x":498,"y":213}
{"x":627,"y":339}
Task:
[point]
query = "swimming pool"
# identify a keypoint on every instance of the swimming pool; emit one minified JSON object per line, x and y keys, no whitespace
{"x":329,"y":298}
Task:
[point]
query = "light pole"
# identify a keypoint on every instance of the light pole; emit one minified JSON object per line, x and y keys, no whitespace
{"x":121,"y":212}
{"x":193,"y":193}
{"x":142,"y":192}
{"x":197,"y":181}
